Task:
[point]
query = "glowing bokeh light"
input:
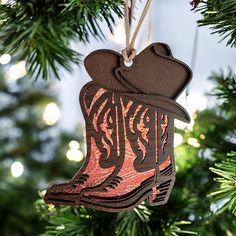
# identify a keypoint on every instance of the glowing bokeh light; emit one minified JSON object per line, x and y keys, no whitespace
{"x":74,"y":144}
{"x":74,"y":155}
{"x":202,"y":137}
{"x":5,"y":59}
{"x":4,"y":2}
{"x":17,"y":169}
{"x":51,"y":114}
{"x":17,"y":71}
{"x":193,"y":142}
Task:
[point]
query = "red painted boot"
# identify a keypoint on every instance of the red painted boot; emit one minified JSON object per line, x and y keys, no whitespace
{"x":129,"y":114}
{"x":95,"y":169}
{"x":126,"y":159}
{"x":148,"y":168}
{"x":111,"y":159}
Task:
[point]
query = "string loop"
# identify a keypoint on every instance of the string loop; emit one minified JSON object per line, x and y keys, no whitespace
{"x":129,"y":55}
{"x":130,"y":52}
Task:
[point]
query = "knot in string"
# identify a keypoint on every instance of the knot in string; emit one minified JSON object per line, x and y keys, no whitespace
{"x":130,"y":52}
{"x":129,"y":55}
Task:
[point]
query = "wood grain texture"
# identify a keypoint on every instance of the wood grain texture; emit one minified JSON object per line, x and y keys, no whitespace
{"x":129,"y":115}
{"x":154,"y":71}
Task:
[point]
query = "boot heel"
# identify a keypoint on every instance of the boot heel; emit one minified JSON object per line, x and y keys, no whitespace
{"x":161,"y":193}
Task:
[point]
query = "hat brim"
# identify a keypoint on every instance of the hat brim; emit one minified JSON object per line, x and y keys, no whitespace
{"x":162,"y":103}
{"x":158,"y":102}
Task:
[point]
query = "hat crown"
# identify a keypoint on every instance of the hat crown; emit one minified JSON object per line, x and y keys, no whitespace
{"x":154,"y":71}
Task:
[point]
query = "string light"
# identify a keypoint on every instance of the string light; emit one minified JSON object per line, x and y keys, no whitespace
{"x":5,"y":59}
{"x":51,"y":114}
{"x":17,"y":71}
{"x":193,"y":142}
{"x":74,"y":155}
{"x":17,"y":169}
{"x":202,"y":137}
{"x":74,"y":144}
{"x":178,"y":139}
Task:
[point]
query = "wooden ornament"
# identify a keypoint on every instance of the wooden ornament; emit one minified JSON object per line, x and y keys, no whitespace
{"x":129,"y":114}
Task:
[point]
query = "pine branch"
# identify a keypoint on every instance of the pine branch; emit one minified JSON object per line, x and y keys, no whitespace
{"x":134,"y":223}
{"x":225,"y":196}
{"x":175,"y":229}
{"x":220,"y":16}
{"x":225,"y":90}
{"x":40,"y":31}
{"x":27,"y":138}
{"x":88,"y":13}
{"x":72,"y":221}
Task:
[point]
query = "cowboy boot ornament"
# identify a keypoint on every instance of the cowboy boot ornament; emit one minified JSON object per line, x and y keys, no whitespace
{"x":129,"y":114}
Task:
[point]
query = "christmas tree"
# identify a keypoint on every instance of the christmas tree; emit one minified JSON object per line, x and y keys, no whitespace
{"x":220,"y":16}
{"x":203,"y":202}
{"x":40,"y":32}
{"x":34,"y":150}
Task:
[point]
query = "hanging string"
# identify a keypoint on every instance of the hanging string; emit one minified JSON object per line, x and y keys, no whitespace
{"x":127,"y":29}
{"x":130,"y":52}
{"x":149,"y":29}
{"x":194,"y":56}
{"x":132,"y":7}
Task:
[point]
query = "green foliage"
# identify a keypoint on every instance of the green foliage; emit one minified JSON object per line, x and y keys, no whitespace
{"x":175,"y":229}
{"x":134,"y":223}
{"x":26,"y":138}
{"x":40,"y":148}
{"x":71,"y":221}
{"x":226,"y":89}
{"x":220,"y":16}
{"x":215,"y":128}
{"x":90,"y":13}
{"x":214,"y":133}
{"x":189,"y":210}
{"x":40,"y":32}
{"x":226,"y":195}
{"x":74,"y":221}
